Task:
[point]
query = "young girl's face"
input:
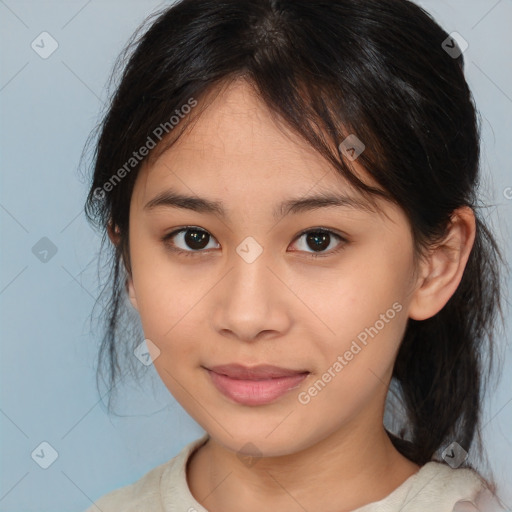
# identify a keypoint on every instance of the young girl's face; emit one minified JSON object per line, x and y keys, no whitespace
{"x":247,"y":289}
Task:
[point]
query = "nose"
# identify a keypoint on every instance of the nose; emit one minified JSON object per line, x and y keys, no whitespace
{"x":251,"y":302}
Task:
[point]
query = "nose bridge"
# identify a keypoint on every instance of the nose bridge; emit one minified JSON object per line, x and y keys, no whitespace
{"x":250,"y":277}
{"x":249,"y":301}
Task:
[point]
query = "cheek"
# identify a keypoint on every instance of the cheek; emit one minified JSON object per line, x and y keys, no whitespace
{"x":165,"y":294}
{"x":366,"y":318}
{"x":354,"y":296}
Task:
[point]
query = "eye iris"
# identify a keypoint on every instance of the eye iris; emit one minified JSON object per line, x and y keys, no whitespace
{"x":320,"y":240}
{"x":195,"y":238}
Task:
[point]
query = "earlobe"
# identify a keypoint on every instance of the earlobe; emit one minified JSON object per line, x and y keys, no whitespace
{"x":441,"y":272}
{"x":113,"y":232}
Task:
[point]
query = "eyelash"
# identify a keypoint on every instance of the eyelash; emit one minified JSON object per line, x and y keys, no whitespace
{"x":166,"y":240}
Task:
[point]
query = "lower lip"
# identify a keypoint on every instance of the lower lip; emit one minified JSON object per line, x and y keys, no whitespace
{"x":255,"y":392}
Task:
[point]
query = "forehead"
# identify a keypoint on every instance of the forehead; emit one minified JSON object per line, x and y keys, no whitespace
{"x":236,"y":144}
{"x":234,"y":125}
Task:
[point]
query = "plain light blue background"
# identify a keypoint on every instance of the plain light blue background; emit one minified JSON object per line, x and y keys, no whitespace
{"x":48,"y":393}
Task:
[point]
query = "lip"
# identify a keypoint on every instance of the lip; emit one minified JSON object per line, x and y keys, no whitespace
{"x":258,"y":372}
{"x":256,"y":385}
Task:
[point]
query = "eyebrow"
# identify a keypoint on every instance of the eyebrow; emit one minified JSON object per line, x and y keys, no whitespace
{"x":173,"y":199}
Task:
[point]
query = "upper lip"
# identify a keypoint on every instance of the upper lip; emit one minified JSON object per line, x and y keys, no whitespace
{"x":263,"y":371}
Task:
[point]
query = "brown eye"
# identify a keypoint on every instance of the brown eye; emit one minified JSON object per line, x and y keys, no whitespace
{"x":188,"y":240}
{"x":191,"y":241}
{"x":319,"y":240}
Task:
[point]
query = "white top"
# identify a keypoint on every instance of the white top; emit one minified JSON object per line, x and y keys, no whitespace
{"x":435,"y":487}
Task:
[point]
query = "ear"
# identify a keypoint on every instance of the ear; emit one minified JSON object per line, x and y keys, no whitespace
{"x":131,"y":292}
{"x":114,"y":234}
{"x":442,"y":270}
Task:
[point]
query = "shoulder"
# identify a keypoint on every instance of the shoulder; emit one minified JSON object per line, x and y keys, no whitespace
{"x":434,"y":487}
{"x":129,"y":498}
{"x":152,"y":489}
{"x":444,"y":488}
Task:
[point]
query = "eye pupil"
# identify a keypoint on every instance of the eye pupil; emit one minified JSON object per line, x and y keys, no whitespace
{"x":320,"y":240}
{"x":195,"y":238}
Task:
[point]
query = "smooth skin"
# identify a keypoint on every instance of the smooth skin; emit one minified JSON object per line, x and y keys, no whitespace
{"x":285,"y":308}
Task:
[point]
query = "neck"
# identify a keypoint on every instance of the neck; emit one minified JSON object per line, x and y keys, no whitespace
{"x":341,"y":472}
